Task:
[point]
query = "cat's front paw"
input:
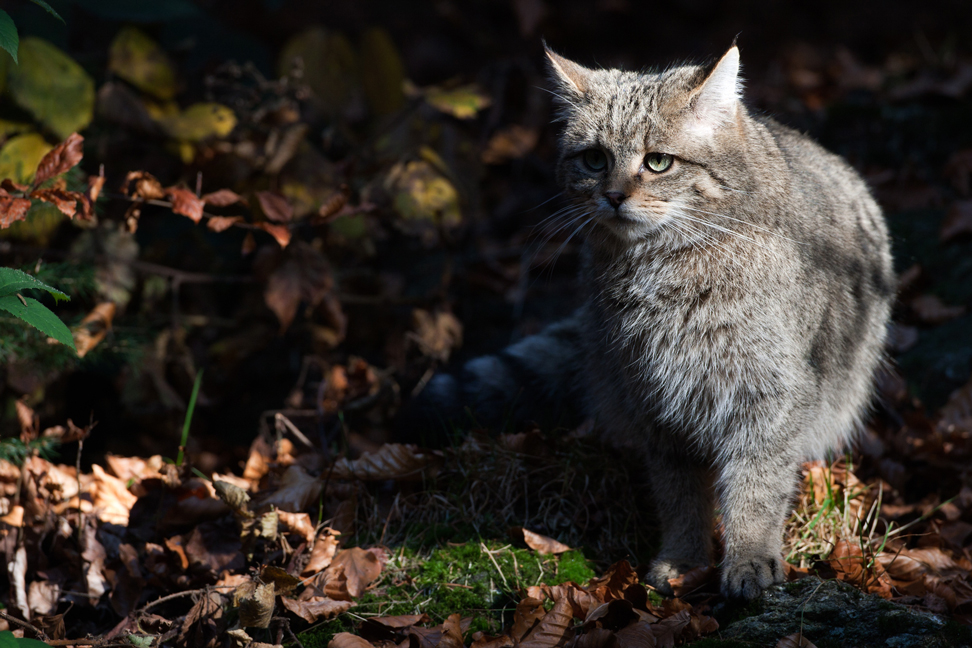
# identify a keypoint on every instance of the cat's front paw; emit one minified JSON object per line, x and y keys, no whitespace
{"x":747,"y":577}
{"x":663,"y":569}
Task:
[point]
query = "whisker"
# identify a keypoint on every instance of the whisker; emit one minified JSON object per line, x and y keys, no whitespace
{"x":753,"y":225}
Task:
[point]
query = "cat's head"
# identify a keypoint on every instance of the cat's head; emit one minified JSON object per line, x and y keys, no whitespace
{"x":648,"y":154}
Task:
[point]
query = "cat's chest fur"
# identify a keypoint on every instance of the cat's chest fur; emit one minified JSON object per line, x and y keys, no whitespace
{"x":681,"y":338}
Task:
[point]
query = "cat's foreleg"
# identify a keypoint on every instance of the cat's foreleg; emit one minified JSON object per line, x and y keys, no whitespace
{"x":755,"y":485}
{"x":682,"y":492}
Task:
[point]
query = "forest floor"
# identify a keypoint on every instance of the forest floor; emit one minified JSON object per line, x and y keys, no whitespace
{"x":279,"y":223}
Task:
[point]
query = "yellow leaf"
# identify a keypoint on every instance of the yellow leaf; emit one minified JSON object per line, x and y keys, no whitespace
{"x":20,"y":156}
{"x":383,"y":72}
{"x":139,"y":60}
{"x":330,"y":66}
{"x":463,"y":103}
{"x":52,"y":87}
{"x":199,"y":122}
{"x":422,"y":193}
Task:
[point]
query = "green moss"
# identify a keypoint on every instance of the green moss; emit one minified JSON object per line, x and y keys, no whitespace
{"x":479,"y":579}
{"x":573,"y":566}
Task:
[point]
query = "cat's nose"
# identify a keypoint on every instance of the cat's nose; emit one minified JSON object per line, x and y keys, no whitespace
{"x":615,"y":198}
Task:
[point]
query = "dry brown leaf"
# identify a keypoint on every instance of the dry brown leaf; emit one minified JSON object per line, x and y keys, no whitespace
{"x":204,"y":622}
{"x":851,"y":566}
{"x":510,"y":143}
{"x":222,"y":223}
{"x":451,"y":633}
{"x":299,"y":523}
{"x":334,"y":203}
{"x":485,"y":641}
{"x":598,"y":638}
{"x":59,"y":159}
{"x":143,"y":185}
{"x":65,"y":201}
{"x":280,"y":233}
{"x":614,"y":582}
{"x":316,"y":608}
{"x":932,"y":310}
{"x":391,"y":461}
{"x":95,"y":185}
{"x":554,"y":629}
{"x":351,"y":571}
{"x":185,"y":203}
{"x":222,"y":198}
{"x":795,"y":641}
{"x":348,"y":640}
{"x":249,"y":243}
{"x":297,"y":490}
{"x":29,"y":421}
{"x":637,"y":635}
{"x":323,"y":552}
{"x":12,"y":209}
{"x":437,"y":334}
{"x":275,"y":207}
{"x":15,"y":517}
{"x":112,"y":500}
{"x":541,"y":543}
{"x":93,"y":328}
{"x":233,"y":495}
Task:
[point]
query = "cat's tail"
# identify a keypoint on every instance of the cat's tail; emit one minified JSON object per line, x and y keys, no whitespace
{"x":534,"y":379}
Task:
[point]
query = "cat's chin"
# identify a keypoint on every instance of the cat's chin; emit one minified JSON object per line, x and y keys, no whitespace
{"x":627,"y":228}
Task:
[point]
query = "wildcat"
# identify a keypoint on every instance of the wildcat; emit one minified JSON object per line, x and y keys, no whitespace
{"x":738,"y":284}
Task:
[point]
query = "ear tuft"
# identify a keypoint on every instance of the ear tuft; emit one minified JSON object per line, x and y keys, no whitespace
{"x":569,"y":76}
{"x":717,"y":99}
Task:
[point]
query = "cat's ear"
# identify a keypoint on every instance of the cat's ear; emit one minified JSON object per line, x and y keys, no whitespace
{"x":570,"y":76}
{"x":717,"y":99}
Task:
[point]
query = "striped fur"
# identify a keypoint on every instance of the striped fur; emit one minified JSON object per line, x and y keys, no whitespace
{"x":736,"y":311}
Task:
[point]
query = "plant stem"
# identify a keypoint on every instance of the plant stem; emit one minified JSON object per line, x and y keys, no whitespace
{"x":188,"y":421}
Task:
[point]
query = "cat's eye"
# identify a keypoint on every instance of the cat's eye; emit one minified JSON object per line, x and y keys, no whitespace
{"x":658,"y":162}
{"x":595,"y":159}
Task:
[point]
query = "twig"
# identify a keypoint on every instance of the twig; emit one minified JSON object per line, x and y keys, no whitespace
{"x":282,"y":421}
{"x":24,"y":624}
{"x":495,"y":564}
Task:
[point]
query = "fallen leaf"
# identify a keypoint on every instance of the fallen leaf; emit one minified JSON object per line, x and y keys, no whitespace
{"x":317,"y":608}
{"x":200,"y":122}
{"x":637,"y":635}
{"x":296,"y":491}
{"x":325,"y":547}
{"x":554,"y":629}
{"x":348,"y":640}
{"x":299,"y":523}
{"x":60,"y":159}
{"x":691,"y":580}
{"x":481,"y":640}
{"x":351,"y":571}
{"x":391,"y":461}
{"x":541,"y":543}
{"x":112,"y":499}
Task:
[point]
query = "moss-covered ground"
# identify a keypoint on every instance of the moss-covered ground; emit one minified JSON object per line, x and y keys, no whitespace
{"x":476,"y":579}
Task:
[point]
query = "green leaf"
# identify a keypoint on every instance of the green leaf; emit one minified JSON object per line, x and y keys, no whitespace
{"x":24,"y":642}
{"x":20,"y":156}
{"x":7,"y":639}
{"x":13,"y":281}
{"x":39,"y":316}
{"x":51,"y":86}
{"x":48,"y":8}
{"x":8,"y":35}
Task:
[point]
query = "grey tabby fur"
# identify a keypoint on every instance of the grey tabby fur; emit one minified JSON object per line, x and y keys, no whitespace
{"x":736,"y":309}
